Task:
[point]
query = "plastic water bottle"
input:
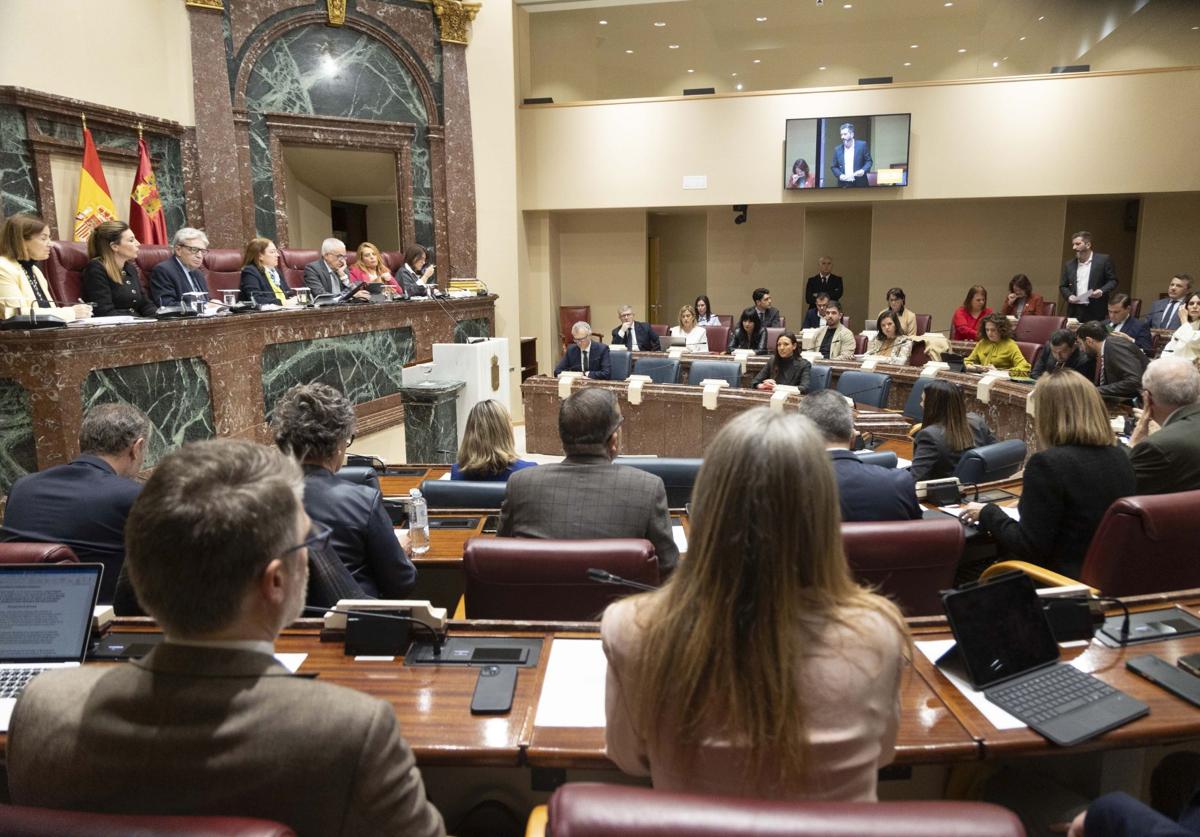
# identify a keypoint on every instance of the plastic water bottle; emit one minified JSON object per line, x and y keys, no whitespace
{"x":418,"y":523}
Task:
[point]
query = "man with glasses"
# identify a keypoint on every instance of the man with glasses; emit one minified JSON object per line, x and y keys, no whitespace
{"x":586,"y":495}
{"x":209,"y":722}
{"x":328,"y":274}
{"x":180,"y":273}
{"x":585,"y":355}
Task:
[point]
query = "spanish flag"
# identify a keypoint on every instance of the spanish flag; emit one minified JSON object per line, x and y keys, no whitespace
{"x":145,"y":205}
{"x":95,"y":202}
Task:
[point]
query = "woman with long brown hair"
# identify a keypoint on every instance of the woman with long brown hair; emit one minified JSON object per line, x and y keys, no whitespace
{"x":25,"y":241}
{"x":964,"y":325}
{"x":110,"y":280}
{"x":947,"y":429}
{"x":260,"y":280}
{"x":760,"y":668}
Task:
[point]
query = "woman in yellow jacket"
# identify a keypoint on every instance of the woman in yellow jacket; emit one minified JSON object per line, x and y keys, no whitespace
{"x":996,"y":349}
{"x":24,"y":241}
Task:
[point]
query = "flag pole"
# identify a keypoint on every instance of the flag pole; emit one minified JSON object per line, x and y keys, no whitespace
{"x":139,"y":131}
{"x":83,"y":118}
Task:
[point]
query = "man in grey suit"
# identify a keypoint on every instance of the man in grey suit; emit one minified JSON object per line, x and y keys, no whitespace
{"x":209,"y":722}
{"x":328,"y":274}
{"x":1168,"y":460}
{"x":586,"y":495}
{"x":1119,"y":363}
{"x":1164,"y":313}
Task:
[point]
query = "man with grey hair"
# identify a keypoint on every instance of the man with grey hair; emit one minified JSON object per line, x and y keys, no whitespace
{"x":328,"y":274}
{"x":633,"y":334}
{"x":84,"y":503}
{"x":1168,"y":460}
{"x":867,"y":492}
{"x":179,"y":273}
{"x":586,"y":495}
{"x":585,"y":355}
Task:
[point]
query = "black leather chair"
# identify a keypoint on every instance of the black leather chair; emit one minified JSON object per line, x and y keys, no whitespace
{"x":883,"y":458}
{"x":912,"y":406}
{"x":678,"y":475}
{"x":662,"y":370}
{"x":991,"y":462}
{"x":865,"y":387}
{"x":463,"y":494}
{"x":724,"y":370}
{"x":359,"y":474}
{"x":620,"y":363}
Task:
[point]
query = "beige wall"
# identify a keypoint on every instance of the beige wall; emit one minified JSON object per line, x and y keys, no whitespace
{"x":936,"y":250}
{"x":1166,"y":244}
{"x":972,"y":140}
{"x":845,"y":236}
{"x":309,"y":219}
{"x":539,"y":289}
{"x":602,"y":263}
{"x":383,"y":225}
{"x":131,"y":54}
{"x":683,"y":260}
{"x":1105,"y":220}
{"x":767,"y":251}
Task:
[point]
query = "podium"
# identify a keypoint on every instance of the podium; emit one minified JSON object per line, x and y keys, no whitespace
{"x":481,"y":365}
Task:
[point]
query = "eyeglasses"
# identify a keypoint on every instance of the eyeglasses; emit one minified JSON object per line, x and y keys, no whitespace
{"x":318,"y":538}
{"x":198,"y":251}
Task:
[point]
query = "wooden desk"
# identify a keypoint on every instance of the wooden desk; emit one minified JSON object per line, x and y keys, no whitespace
{"x":398,"y":480}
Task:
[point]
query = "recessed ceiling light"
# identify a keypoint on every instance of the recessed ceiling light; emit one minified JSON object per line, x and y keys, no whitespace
{"x":1194,"y":28}
{"x":691,"y":71}
{"x":672,"y":46}
{"x":907,"y":63}
{"x":962,"y":50}
{"x":761,"y":19}
{"x":913,"y":46}
{"x":733,"y":75}
{"x":660,"y":23}
{"x":995,"y":63}
{"x":1021,"y":38}
{"x":629,"y":52}
{"x":847,"y":5}
{"x":1043,"y":17}
{"x":739,"y":87}
{"x":822,"y":68}
{"x":947,"y":5}
{"x":604,"y":23}
{"x":757,"y":60}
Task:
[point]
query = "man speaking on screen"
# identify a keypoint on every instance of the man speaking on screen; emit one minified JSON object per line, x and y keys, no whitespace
{"x":851,"y":159}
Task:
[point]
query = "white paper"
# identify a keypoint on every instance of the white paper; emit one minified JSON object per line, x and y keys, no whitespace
{"x":565,"y":381}
{"x":712,"y":389}
{"x":869,"y":363}
{"x":291,"y":662}
{"x":680,"y":538}
{"x":633,"y":391}
{"x":573,"y":688}
{"x":996,"y":716}
{"x":955,"y":511}
{"x":930,"y":369}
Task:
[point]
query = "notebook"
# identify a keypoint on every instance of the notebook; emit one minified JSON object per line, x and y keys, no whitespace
{"x":45,"y":622}
{"x":1004,"y":645}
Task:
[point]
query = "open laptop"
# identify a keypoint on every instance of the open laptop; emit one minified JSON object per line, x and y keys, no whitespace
{"x":1005,"y":646}
{"x":45,"y":622}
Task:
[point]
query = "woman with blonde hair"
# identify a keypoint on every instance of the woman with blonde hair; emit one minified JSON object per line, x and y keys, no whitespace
{"x":1069,"y":484}
{"x":693,"y":333}
{"x":370,"y":267}
{"x":110,"y":280}
{"x":260,"y":280}
{"x":761,"y":668}
{"x":25,"y":241}
{"x":488,"y":452}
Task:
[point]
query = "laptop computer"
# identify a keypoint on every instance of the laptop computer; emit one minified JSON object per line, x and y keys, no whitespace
{"x":954,"y":360}
{"x":1005,"y":646}
{"x":673,"y":340}
{"x":45,"y":622}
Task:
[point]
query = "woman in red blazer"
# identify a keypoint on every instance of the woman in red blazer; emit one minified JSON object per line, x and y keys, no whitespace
{"x":1021,"y":299}
{"x":965,"y":325}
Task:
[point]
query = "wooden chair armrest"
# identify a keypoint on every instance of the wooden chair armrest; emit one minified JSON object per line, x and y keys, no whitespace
{"x":1041,"y":575}
{"x":536,"y":825}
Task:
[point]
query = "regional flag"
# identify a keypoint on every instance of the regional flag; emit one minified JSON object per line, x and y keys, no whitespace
{"x":145,"y":205}
{"x":95,"y":202}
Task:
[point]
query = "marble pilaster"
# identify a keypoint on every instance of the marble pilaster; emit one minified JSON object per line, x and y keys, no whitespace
{"x":460,"y":162}
{"x":431,"y":421}
{"x":18,"y":193}
{"x":466,"y":329}
{"x":18,"y":449}
{"x":441,"y":232}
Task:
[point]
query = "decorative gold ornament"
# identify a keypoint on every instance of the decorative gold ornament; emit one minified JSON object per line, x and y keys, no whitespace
{"x":215,"y":5}
{"x":337,"y":12}
{"x":455,"y":16}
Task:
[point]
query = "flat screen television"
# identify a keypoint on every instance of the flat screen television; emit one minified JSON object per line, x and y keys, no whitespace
{"x":815,"y":152}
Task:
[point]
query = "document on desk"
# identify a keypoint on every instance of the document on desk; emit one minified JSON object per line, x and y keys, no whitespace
{"x":997,"y":717}
{"x":955,"y":511}
{"x":573,"y":688}
{"x":680,"y":538}
{"x":291,"y":662}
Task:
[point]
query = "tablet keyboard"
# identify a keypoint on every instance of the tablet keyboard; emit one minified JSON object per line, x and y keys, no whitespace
{"x":1051,"y":694}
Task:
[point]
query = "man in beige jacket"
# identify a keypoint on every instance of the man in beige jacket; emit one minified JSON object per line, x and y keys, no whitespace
{"x":833,"y":340}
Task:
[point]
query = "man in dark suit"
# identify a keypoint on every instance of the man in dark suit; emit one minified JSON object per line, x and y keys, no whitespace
{"x":851,"y":158}
{"x":1087,"y":280}
{"x":1168,"y":460}
{"x":825,"y":281}
{"x":587,"y":496}
{"x":328,"y":274}
{"x":867,"y":492}
{"x":1121,"y":324}
{"x":209,"y":722}
{"x":585,"y":355}
{"x":1164,"y":313}
{"x":84,"y":503}
{"x":1120,"y":815}
{"x":815,"y":317}
{"x":1119,"y":363}
{"x":180,"y":274}
{"x":1062,"y":351}
{"x":768,"y":317}
{"x":633,"y":335}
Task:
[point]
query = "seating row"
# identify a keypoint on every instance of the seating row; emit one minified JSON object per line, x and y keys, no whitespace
{"x":222,"y":268}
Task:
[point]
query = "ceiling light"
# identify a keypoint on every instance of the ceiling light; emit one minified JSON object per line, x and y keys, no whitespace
{"x":660,"y":23}
{"x":604,"y":23}
{"x":733,"y":75}
{"x":629,"y":52}
{"x":907,"y":63}
{"x":1194,"y":28}
{"x":672,"y":46}
{"x":691,"y":71}
{"x":761,"y":19}
{"x":947,"y":5}
{"x":822,"y":68}
{"x":995,"y":63}
{"x":1021,"y":38}
{"x":757,"y":61}
{"x":913,"y":46}
{"x":962,"y":50}
{"x":739,"y":87}
{"x":1043,"y":17}
{"x":847,"y":5}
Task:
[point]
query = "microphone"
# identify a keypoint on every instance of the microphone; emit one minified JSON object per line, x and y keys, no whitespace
{"x":438,"y":639}
{"x":605,"y":577}
{"x":435,"y":295}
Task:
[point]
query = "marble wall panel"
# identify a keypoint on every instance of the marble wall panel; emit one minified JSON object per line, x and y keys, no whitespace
{"x":18,"y":449}
{"x":18,"y":192}
{"x":175,"y":394}
{"x":365,"y":366}
{"x":472,"y":328}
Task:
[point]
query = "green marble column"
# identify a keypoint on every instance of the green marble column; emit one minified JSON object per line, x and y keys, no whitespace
{"x":431,"y":422}
{"x":18,"y":449}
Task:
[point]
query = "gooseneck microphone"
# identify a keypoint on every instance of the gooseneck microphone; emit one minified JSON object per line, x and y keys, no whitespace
{"x":605,"y":577}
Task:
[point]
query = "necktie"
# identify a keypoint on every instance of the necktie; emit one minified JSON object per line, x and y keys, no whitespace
{"x":1169,"y":315}
{"x":1100,"y":366}
{"x":583,"y":362}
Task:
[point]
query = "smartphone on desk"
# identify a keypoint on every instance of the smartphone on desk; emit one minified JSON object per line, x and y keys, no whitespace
{"x":1190,"y":663}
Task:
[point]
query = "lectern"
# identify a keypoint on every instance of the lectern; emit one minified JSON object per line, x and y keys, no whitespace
{"x":482,"y":365}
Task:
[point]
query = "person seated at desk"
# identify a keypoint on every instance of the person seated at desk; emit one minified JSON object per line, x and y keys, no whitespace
{"x":704,"y":312}
{"x":1119,"y":363}
{"x":586,"y":495}
{"x":801,"y":177}
{"x":1068,"y":485}
{"x":488,"y":451}
{"x":591,"y":357}
{"x":179,"y":273}
{"x":968,"y":316}
{"x":315,"y":424}
{"x":748,"y":334}
{"x":260,"y":280}
{"x":1021,"y":298}
{"x":947,"y":431}
{"x":1121,"y":324}
{"x":695,"y":335}
{"x":209,"y":722}
{"x":1168,"y":459}
{"x":996,"y":349}
{"x":24,"y":241}
{"x":1118,"y":814}
{"x":1062,"y":351}
{"x":1164,"y":313}
{"x":897,"y":302}
{"x":833,"y":340}
{"x":634,"y":335}
{"x":889,"y":343}
{"x":84,"y":504}
{"x":110,"y":280}
{"x":1185,"y":342}
{"x":814,"y":316}
{"x":327,"y":275}
{"x":865,"y":491}
{"x":785,"y":367}
{"x":768,"y":316}
{"x":370,"y":267}
{"x":760,"y":668}
{"x":415,"y":273}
